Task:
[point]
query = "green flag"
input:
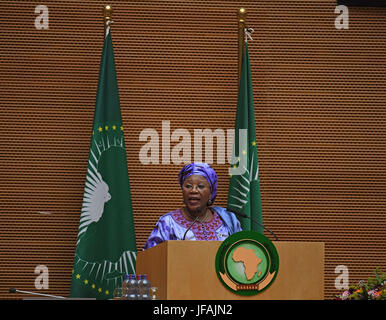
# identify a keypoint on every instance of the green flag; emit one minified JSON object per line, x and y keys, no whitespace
{"x":106,"y":247}
{"x":244,"y":184}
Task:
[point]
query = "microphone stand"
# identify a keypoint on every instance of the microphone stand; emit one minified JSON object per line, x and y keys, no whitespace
{"x":13,"y":290}
{"x":195,"y":220}
{"x":243,"y":215}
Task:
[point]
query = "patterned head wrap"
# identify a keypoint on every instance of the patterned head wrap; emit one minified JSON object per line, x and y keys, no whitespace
{"x":202,"y":169}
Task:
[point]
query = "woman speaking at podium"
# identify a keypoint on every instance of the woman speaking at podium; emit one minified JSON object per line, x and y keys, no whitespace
{"x":197,"y":219}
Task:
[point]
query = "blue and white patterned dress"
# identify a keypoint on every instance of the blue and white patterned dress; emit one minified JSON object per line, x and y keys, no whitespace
{"x":173,"y":225}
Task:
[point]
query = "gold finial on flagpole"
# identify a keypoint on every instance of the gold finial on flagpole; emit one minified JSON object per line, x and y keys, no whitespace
{"x":107,"y":12}
{"x":242,"y":15}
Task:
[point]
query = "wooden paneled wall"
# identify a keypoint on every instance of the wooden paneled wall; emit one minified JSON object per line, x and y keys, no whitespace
{"x":320,"y":98}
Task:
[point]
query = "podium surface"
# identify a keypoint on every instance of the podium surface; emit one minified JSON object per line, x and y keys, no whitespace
{"x":185,"y":270}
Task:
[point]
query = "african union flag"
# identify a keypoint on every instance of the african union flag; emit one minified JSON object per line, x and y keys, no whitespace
{"x":106,"y":247}
{"x":244,"y":184}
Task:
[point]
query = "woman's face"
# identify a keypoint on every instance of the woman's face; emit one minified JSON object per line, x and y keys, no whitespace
{"x":196,"y":193}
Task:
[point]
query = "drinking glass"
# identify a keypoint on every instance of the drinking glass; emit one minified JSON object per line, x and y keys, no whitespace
{"x":153,"y":293}
{"x":118,"y":293}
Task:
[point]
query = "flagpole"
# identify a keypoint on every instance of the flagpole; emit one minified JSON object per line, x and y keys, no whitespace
{"x":107,"y":13}
{"x":241,"y":14}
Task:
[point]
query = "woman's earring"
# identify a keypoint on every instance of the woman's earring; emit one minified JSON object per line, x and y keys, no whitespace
{"x":209,"y":203}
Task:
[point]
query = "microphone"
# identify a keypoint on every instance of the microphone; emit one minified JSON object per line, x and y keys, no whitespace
{"x":243,"y":215}
{"x":13,"y":290}
{"x":195,"y":220}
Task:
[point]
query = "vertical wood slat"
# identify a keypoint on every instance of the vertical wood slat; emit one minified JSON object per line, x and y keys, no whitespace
{"x":319,"y":102}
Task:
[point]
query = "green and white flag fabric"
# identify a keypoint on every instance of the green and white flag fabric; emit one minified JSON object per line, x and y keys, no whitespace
{"x":106,"y":247}
{"x":244,"y":184}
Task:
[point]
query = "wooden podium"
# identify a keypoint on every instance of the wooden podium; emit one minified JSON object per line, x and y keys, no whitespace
{"x":185,"y":270}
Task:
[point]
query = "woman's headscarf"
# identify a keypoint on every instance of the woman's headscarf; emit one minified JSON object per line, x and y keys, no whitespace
{"x":202,"y":169}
